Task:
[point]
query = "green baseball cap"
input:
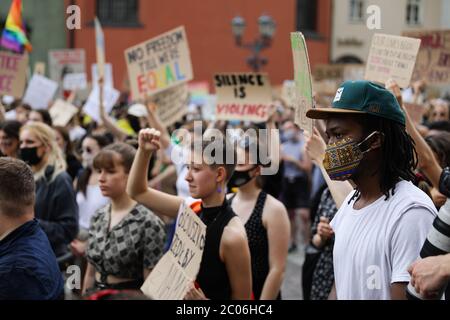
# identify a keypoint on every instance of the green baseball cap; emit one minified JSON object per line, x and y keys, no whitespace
{"x":366,"y":97}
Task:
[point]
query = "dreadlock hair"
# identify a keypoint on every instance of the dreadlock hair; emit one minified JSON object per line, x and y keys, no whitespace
{"x":398,"y":154}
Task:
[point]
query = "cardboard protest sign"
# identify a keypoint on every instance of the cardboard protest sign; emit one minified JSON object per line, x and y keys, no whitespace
{"x":62,"y":112}
{"x":75,"y":81}
{"x":108,"y":80}
{"x":110,"y":97}
{"x":433,"y":60}
{"x":62,"y":62}
{"x":302,"y":72}
{"x":243,"y":96}
{"x":179,"y":267}
{"x":159,"y":64}
{"x":392,"y":57}
{"x":172,"y":104}
{"x":288,"y":93}
{"x":39,"y":68}
{"x":13,"y":74}
{"x":40,"y":92}
{"x":100,"y":48}
{"x":328,"y":77}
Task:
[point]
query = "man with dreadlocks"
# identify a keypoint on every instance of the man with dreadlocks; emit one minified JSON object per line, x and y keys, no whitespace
{"x":382,"y":225}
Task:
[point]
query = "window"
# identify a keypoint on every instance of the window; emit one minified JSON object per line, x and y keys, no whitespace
{"x":413,"y":12}
{"x":307,"y":16}
{"x":120,"y":13}
{"x":356,"y":10}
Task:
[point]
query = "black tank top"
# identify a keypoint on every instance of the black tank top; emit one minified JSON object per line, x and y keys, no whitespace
{"x":213,"y":276}
{"x":258,"y":243}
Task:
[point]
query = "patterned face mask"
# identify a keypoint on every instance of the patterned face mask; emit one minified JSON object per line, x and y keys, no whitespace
{"x":343,"y":157}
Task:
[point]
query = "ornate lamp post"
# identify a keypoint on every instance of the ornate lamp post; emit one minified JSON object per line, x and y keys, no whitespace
{"x":267,"y":29}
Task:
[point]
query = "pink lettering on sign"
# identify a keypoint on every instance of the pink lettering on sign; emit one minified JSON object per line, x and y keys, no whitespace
{"x":6,"y":83}
{"x":9,"y":62}
{"x":257,"y":110}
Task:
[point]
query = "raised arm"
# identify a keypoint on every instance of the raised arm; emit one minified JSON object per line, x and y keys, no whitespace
{"x":2,"y":111}
{"x":108,"y":123}
{"x":159,"y":202}
{"x":427,"y":161}
{"x":157,"y":124}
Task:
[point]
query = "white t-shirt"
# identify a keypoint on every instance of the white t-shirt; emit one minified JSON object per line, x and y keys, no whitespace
{"x":375,"y":246}
{"x":89,"y":204}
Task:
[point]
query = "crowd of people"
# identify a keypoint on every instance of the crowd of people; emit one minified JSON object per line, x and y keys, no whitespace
{"x":360,"y":194}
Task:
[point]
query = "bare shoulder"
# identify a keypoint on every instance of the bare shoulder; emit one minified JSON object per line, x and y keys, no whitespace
{"x":234,"y":234}
{"x":230,"y":195}
{"x":274,"y":207}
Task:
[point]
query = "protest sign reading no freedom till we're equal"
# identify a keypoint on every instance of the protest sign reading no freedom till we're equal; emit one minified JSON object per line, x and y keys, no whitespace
{"x":159,"y":64}
{"x":13,"y":74}
{"x":392,"y":57}
{"x":179,"y":267}
{"x":243,"y":96}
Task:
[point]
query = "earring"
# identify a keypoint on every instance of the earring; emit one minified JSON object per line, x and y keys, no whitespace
{"x":219,"y":190}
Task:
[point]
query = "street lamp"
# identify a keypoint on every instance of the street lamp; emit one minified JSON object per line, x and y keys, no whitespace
{"x":267,"y":29}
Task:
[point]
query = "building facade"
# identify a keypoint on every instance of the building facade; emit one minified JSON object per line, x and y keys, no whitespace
{"x":351,"y":36}
{"x":46,"y":23}
{"x":208,"y":27}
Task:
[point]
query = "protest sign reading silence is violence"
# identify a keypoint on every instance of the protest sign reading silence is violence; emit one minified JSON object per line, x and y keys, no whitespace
{"x":243,"y":96}
{"x":159,"y":64}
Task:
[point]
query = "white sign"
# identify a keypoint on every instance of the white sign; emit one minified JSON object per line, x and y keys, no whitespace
{"x":62,"y":112}
{"x":110,"y":97}
{"x":75,"y":81}
{"x":108,"y":80}
{"x":40,"y":92}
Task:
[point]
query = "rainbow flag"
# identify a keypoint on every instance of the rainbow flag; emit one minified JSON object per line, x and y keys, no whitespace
{"x":14,"y":37}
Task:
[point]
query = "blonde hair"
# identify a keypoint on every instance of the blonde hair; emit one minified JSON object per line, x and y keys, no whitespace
{"x":47,"y":137}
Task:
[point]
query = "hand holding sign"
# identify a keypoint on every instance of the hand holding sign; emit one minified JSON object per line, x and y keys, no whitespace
{"x":195,"y":293}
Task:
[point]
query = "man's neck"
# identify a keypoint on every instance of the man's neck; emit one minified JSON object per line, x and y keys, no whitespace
{"x":8,"y":225}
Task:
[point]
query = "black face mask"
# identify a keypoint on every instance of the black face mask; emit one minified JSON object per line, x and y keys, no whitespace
{"x":30,"y":156}
{"x":240,"y":179}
